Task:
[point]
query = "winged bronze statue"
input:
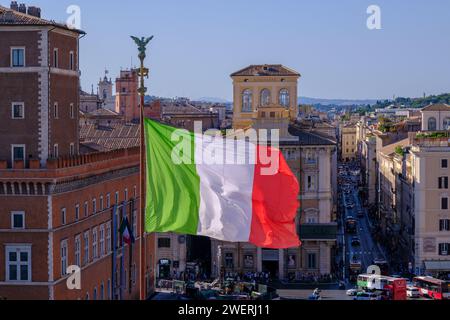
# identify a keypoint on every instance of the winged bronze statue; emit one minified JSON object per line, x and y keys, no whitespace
{"x":142,"y":45}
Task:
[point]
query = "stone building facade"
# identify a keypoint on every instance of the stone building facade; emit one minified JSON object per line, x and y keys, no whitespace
{"x":265,"y":97}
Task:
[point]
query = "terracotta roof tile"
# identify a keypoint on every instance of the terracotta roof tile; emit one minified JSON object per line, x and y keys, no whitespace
{"x":11,"y":17}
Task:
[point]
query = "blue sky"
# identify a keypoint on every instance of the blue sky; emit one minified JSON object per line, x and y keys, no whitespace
{"x":199,"y":43}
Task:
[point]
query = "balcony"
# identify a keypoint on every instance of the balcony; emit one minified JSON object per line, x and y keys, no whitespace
{"x":432,"y":139}
{"x":318,"y":231}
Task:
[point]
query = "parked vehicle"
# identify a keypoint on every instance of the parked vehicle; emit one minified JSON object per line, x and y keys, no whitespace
{"x":412,"y":292}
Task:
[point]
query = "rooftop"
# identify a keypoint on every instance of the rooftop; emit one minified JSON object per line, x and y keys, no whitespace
{"x":266,"y":70}
{"x":310,"y":138}
{"x":437,"y":107}
{"x":12,"y":17}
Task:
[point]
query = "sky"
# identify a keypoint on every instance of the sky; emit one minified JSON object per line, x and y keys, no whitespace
{"x":199,"y":43}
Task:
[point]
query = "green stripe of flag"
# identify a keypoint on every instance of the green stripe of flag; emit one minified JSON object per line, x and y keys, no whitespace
{"x":173,"y":190}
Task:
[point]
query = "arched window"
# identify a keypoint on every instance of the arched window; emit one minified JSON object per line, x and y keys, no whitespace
{"x":284,"y":98}
{"x":265,"y":97}
{"x":446,"y":124}
{"x":432,"y":124}
{"x":247,"y":101}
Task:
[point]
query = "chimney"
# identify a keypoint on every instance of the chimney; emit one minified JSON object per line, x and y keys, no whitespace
{"x":34,"y":11}
{"x":14,"y":6}
{"x":23,"y":8}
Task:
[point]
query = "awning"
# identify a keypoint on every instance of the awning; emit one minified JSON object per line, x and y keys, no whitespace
{"x":437,"y":265}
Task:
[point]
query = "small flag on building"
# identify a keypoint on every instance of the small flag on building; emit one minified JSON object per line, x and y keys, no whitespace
{"x":126,"y":232}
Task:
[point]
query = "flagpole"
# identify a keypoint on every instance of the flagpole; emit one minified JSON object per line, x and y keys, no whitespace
{"x":143,"y":72}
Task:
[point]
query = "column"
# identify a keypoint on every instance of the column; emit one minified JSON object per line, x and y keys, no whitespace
{"x":281,"y":270}
{"x":325,"y":258}
{"x":258,"y":260}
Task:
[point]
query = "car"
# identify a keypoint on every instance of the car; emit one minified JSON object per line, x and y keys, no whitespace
{"x":342,"y":285}
{"x":356,"y":242}
{"x":412,"y":292}
{"x":366,"y":296}
{"x":360,"y":214}
{"x":352,"y":292}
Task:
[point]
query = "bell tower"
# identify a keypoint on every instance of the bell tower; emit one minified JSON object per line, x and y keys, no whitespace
{"x":105,"y":90}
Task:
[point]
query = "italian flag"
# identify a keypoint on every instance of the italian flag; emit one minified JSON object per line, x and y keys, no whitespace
{"x":126,"y":232}
{"x":233,"y":201}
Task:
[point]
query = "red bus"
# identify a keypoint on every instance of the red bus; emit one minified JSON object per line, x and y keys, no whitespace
{"x":432,"y":288}
{"x":390,"y":288}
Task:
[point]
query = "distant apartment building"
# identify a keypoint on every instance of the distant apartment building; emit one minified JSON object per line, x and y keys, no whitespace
{"x":430,"y":157}
{"x":348,"y":142}
{"x":265,"y":97}
{"x":413,"y":201}
{"x":127,"y":97}
{"x":60,"y":208}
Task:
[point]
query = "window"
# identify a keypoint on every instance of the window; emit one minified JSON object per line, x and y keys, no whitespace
{"x":94,"y":206}
{"x":55,"y":58}
{"x":446,"y":124}
{"x":72,"y":111}
{"x":63,"y":257}
{"x":18,"y":220}
{"x":102,"y":291}
{"x":56,"y":151}
{"x":63,"y":216}
{"x":310,"y":183}
{"x":108,"y":201}
{"x":444,"y":249}
{"x":265,"y":97}
{"x":117,"y":197}
{"x":133,"y":274}
{"x":108,"y":289}
{"x":164,"y":243}
{"x":312,"y":261}
{"x":444,"y":225}
{"x":18,"y":110}
{"x":108,"y":237}
{"x":125,"y":194}
{"x":18,"y":263}
{"x":94,"y":244}
{"x":17,"y":57}
{"x":272,"y":114}
{"x":78,"y":250}
{"x":284,"y":98}
{"x":71,"y":61}
{"x":229,"y":263}
{"x":94,"y":297}
{"x":444,"y":203}
{"x":444,"y":163}
{"x":247,"y":101}
{"x":86,"y":209}
{"x":134,"y":223}
{"x":86,"y":248}
{"x":102,"y":207}
{"x":18,"y":152}
{"x":102,"y":240}
{"x":72,"y":149}
{"x":443,"y":182}
{"x":55,"y":110}
{"x":77,"y":212}
{"x":432,"y":124}
{"x":135,"y":192}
